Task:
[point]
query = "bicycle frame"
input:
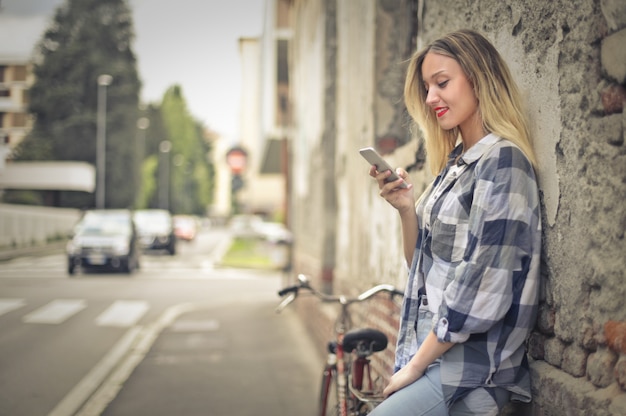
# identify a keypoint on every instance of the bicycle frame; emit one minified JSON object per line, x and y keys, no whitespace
{"x":341,"y":325}
{"x":349,"y":376}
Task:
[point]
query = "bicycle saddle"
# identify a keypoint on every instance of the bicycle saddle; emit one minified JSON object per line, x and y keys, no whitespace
{"x":367,"y":337}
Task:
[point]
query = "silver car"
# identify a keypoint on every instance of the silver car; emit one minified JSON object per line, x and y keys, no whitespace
{"x":104,"y":239}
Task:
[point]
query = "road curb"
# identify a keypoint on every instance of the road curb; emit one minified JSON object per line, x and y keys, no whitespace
{"x":104,"y":394}
{"x":7,"y":254}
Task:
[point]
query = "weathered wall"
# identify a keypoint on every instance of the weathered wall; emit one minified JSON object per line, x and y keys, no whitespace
{"x":569,"y":60}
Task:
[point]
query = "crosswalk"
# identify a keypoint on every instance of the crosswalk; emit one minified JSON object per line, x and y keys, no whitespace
{"x":55,"y":312}
{"x":152,"y":267}
{"x":120,"y":313}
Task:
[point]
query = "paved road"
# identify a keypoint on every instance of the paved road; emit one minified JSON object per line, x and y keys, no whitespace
{"x":222,"y":351}
{"x":237,"y":359}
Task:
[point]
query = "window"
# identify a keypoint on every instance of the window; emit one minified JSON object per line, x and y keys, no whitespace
{"x":19,"y":73}
{"x":282,"y":65}
{"x":19,"y":120}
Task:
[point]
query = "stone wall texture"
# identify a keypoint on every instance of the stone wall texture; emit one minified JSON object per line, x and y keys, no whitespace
{"x":348,"y":60}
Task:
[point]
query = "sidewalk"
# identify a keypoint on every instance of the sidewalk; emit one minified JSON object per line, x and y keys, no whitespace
{"x":235,"y":360}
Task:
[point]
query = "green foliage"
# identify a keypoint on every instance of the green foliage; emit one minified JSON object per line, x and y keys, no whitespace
{"x":86,"y":39}
{"x":148,"y":183}
{"x":23,"y":197}
{"x":247,"y":253}
{"x":89,"y":38}
{"x":191,"y":175}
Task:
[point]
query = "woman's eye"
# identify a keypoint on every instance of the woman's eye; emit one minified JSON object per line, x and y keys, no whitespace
{"x":443,"y":84}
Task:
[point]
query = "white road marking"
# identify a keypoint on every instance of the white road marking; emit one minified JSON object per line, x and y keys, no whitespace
{"x":123,"y":313}
{"x":8,"y":305}
{"x":99,"y":398}
{"x":55,"y":312}
{"x":195,"y":325}
{"x":84,"y":389}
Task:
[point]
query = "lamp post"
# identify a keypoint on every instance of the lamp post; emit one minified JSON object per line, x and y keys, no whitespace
{"x":104,"y":80}
{"x":164,"y":169}
{"x":142,"y":124}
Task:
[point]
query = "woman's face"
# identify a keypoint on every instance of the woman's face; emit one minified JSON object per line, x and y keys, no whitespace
{"x":450,"y":94}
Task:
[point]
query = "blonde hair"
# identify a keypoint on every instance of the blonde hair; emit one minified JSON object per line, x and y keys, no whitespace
{"x":499,"y":100}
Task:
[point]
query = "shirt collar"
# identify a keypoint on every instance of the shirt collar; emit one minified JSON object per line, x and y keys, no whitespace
{"x":475,"y":152}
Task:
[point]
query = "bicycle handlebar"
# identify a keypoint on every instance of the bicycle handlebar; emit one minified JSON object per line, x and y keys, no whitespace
{"x":293,"y":292}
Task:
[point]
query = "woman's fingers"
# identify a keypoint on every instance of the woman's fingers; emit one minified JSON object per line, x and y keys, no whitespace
{"x":379,"y":176}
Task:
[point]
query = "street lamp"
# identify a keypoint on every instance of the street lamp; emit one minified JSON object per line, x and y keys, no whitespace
{"x":104,"y":80}
{"x":164,"y":169}
{"x":142,"y":124}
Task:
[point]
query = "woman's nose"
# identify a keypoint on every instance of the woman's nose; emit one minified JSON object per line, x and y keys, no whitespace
{"x":431,"y":97}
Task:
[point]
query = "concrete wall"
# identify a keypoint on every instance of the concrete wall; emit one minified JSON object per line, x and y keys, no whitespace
{"x":348,"y":65}
{"x":27,"y":226}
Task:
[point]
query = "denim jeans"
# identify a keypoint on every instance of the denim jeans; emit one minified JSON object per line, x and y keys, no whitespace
{"x":425,"y":396}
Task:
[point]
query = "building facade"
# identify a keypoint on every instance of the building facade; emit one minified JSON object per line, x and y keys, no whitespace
{"x":347,"y":65}
{"x":265,"y":115}
{"x":15,"y":122}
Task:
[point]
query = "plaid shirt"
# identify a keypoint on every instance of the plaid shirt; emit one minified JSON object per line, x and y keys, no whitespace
{"x":477,"y":261}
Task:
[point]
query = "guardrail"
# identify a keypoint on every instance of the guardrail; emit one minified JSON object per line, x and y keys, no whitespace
{"x":28,"y":226}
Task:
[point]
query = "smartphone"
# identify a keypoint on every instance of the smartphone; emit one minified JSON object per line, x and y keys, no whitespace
{"x":371,"y":155}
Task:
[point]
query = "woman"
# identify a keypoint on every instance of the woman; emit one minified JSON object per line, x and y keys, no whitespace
{"x":473,"y":239}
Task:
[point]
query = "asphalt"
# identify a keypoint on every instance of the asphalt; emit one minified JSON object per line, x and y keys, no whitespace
{"x":219,"y":361}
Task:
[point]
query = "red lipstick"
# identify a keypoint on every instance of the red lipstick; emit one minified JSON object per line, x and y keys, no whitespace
{"x":440,"y":111}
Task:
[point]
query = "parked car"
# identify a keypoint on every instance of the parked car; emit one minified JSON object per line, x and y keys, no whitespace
{"x":245,"y":226}
{"x":104,"y":239}
{"x":156,"y":230}
{"x":185,"y":227}
{"x":274,"y":232}
{"x":253,"y":226}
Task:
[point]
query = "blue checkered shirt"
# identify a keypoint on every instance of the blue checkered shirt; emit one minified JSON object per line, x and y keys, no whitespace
{"x":476,"y":262}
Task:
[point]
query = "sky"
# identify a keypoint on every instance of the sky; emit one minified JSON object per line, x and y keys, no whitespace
{"x":191,"y":43}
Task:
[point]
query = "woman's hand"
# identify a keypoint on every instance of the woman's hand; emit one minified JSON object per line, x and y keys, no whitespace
{"x":399,"y":198}
{"x":428,"y":352}
{"x":403,"y":200}
{"x":402,"y":378}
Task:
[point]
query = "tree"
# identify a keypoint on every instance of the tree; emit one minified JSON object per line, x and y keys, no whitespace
{"x":86,"y":39}
{"x":191,"y":175}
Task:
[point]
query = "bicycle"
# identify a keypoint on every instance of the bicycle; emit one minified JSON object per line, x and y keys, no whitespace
{"x":349,"y":380}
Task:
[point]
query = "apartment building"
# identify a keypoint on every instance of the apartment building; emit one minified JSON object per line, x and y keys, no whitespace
{"x":18,"y":36}
{"x":15,"y":80}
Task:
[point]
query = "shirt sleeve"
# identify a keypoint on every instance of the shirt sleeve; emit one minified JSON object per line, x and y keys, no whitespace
{"x":499,"y":246}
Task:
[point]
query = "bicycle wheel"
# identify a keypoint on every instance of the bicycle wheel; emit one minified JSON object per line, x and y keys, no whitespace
{"x":329,"y":393}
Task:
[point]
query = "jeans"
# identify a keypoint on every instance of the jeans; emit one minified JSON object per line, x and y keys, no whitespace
{"x":425,"y":396}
